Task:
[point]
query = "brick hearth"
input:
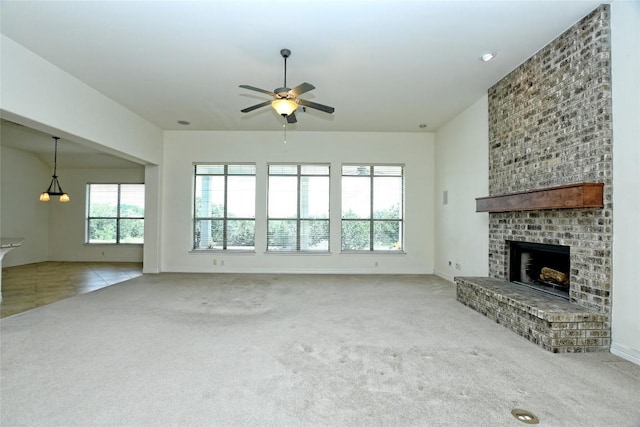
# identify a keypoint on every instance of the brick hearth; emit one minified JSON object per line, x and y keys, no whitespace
{"x":552,"y":323}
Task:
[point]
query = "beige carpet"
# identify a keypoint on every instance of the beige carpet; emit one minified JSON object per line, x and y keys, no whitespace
{"x":293,"y":350}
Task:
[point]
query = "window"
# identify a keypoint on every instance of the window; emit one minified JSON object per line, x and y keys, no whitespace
{"x":115,"y":213}
{"x":298,"y":211}
{"x":372,"y":208}
{"x":224,"y":207}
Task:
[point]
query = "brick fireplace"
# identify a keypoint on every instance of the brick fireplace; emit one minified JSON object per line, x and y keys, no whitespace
{"x":550,"y":126}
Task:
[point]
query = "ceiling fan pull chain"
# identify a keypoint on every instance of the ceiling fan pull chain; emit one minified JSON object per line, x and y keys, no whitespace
{"x":284,"y":125}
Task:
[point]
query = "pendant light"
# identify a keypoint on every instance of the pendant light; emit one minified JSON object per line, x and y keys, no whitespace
{"x":54,"y":187}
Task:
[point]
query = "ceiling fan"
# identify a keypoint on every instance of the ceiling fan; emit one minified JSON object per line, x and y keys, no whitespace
{"x":285,"y":101}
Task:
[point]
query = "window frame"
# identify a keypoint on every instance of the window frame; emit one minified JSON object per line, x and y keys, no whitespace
{"x":117,"y":218}
{"x":371,"y":219}
{"x":225,"y":218}
{"x":298,"y":218}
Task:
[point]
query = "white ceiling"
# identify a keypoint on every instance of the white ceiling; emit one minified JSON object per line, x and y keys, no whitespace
{"x":386,"y":66}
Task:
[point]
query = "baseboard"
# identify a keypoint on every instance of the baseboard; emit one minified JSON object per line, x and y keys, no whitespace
{"x":444,"y":276}
{"x":627,"y":353}
{"x":266,"y":270}
{"x":96,"y":259}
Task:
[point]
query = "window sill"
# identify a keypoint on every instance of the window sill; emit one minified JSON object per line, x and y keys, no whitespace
{"x":113,"y":244}
{"x":380,"y":252}
{"x":297,"y":253}
{"x":221,"y":251}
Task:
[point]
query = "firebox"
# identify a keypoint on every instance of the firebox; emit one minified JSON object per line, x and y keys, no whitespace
{"x":543,"y":267}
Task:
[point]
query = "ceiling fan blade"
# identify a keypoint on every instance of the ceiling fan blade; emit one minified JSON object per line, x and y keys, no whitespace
{"x":254,"y":107}
{"x":316,"y":106}
{"x":257,"y":89}
{"x":291,"y":118}
{"x":302,"y":88}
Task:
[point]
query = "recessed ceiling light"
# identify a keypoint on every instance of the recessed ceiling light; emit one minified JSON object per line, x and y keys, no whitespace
{"x":183,"y":122}
{"x":486,"y":57}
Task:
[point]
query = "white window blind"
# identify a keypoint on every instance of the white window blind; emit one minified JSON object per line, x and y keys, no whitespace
{"x":372,"y":207}
{"x":224,"y":207}
{"x":115,"y":213}
{"x":298,"y":208}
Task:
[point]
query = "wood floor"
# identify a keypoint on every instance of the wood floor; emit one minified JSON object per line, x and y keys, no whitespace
{"x":29,"y":286}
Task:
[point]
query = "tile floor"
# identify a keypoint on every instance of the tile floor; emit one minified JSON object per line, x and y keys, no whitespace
{"x":32,"y":285}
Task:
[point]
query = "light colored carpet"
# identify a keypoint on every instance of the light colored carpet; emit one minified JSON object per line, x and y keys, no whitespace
{"x":293,"y":350}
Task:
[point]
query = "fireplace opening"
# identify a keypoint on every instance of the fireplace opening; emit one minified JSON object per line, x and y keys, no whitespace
{"x":543,"y":267}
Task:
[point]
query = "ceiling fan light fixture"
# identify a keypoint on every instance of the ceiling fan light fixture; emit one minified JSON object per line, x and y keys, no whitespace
{"x":284,"y":107}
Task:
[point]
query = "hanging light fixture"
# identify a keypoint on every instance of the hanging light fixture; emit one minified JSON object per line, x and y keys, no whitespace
{"x":54,"y":187}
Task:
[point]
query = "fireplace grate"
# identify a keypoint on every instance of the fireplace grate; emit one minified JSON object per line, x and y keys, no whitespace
{"x":550,"y":290}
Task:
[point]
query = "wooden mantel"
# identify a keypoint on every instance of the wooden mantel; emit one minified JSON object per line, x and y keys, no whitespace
{"x":581,"y":195}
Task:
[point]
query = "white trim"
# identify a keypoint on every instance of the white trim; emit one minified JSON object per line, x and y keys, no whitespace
{"x":271,"y":270}
{"x":444,"y":276}
{"x":627,"y":353}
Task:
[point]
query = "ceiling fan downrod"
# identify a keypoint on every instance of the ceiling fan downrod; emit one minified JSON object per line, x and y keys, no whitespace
{"x":285,"y":54}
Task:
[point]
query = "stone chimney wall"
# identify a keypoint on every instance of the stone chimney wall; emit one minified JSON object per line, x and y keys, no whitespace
{"x":550,"y":124}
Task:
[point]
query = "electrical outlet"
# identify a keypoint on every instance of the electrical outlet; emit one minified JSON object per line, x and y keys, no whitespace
{"x":457,"y":266}
{"x":375,"y":264}
{"x":221,"y":262}
{"x":215,"y":262}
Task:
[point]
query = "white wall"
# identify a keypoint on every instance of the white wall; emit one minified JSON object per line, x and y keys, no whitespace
{"x":462,"y":171}
{"x":625,"y":67}
{"x":415,"y":150}
{"x":41,"y":95}
{"x":67,"y":233}
{"x":24,"y":177}
{"x":152,"y":219}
